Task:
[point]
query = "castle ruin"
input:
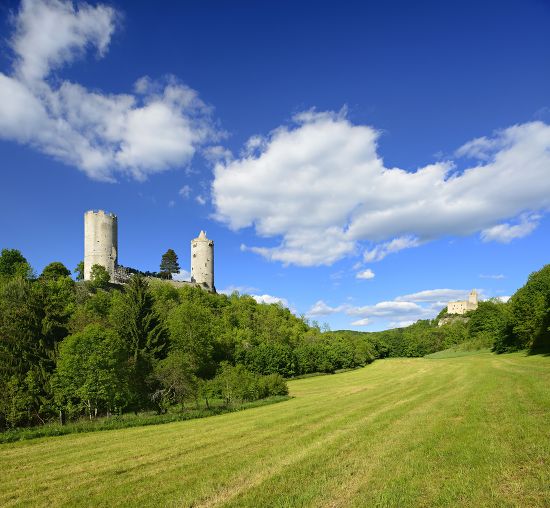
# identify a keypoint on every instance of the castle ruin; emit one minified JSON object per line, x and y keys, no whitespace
{"x":202,"y":260}
{"x":101,"y":248}
{"x":100,"y":242}
{"x":463,"y":306}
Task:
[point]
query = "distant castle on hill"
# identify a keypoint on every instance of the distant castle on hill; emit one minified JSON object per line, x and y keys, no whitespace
{"x":463,"y":306}
{"x":101,"y":248}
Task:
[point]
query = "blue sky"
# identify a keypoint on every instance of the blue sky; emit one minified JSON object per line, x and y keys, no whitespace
{"x":365,"y":162}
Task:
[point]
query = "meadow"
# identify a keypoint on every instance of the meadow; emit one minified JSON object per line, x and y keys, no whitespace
{"x":467,"y":430}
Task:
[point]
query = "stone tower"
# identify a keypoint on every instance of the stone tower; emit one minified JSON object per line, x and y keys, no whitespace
{"x":100,"y":242}
{"x":202,"y":261}
{"x":472,"y":298}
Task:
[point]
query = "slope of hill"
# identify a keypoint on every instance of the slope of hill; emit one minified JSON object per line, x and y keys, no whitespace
{"x":466,"y":431}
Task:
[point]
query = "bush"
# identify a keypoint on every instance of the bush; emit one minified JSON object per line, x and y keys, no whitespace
{"x":273,"y":384}
{"x":236,"y":384}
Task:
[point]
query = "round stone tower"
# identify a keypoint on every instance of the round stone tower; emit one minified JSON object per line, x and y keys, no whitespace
{"x":202,"y":261}
{"x":100,"y":242}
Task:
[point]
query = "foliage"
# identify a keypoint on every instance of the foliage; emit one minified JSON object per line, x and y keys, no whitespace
{"x":177,"y":381}
{"x":13,"y":264}
{"x":132,"y":315}
{"x":169,"y":264}
{"x":530,"y":314}
{"x":236,"y":384}
{"x":79,"y":271}
{"x":55,"y":271}
{"x":99,"y":277}
{"x":92,"y":372}
{"x":93,"y":348}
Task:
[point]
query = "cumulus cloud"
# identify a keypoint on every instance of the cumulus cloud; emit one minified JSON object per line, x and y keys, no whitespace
{"x":380,"y":251}
{"x":320,"y":308}
{"x":268,"y":299}
{"x":386,"y":309}
{"x":158,"y":127}
{"x":435,"y":295}
{"x":182,"y":275}
{"x":505,"y":233}
{"x":320,"y":186}
{"x":365,"y":274}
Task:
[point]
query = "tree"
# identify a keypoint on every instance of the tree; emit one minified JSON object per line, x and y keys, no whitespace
{"x":530,"y":313}
{"x":169,"y":264}
{"x":177,"y":381}
{"x":55,"y":271}
{"x":191,"y":326}
{"x":13,"y":263}
{"x":79,"y":271}
{"x":138,"y":324}
{"x":91,"y":372}
{"x":99,"y":277}
{"x":21,"y":356}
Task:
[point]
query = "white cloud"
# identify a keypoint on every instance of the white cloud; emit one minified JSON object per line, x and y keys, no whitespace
{"x":386,"y":309}
{"x":50,"y":33}
{"x":269,"y":299}
{"x":322,"y":188}
{"x":503,"y":299}
{"x":160,"y":127}
{"x":496,"y":276}
{"x":505,"y":233}
{"x":243,"y":290}
{"x":320,"y":308}
{"x":185,"y":191}
{"x":200,"y":200}
{"x":361,"y":322}
{"x":435,"y":295}
{"x":380,"y":251}
{"x":365,"y":274}
{"x":217,"y":153}
{"x":401,"y":324}
{"x":182,"y":275}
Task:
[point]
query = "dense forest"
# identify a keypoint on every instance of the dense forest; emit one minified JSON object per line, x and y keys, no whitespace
{"x":71,"y":349}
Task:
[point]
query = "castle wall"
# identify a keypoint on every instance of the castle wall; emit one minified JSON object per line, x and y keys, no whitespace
{"x":202,"y":261}
{"x":100,"y":242}
{"x":463,"y":306}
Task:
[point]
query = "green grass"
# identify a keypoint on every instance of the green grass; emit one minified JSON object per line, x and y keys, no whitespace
{"x":466,"y":431}
{"x":456,"y":353}
{"x":131,"y":420}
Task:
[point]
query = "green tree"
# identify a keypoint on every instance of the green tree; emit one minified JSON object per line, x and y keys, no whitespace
{"x":99,"y":277}
{"x":55,"y":271}
{"x":79,"y":271}
{"x":91,"y":373}
{"x":138,"y":324}
{"x":530,"y":314}
{"x":13,"y":263}
{"x":169,"y":264}
{"x":191,"y":326}
{"x":177,"y":381}
{"x":21,"y":355}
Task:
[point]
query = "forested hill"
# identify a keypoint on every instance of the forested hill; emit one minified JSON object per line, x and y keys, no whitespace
{"x":86,"y":348}
{"x":521,"y":323}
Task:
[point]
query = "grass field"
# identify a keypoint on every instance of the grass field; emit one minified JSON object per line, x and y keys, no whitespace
{"x":464,"y":431}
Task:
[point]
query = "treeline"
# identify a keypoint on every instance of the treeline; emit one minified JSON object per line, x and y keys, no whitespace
{"x":69,"y":349}
{"x":521,"y":323}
